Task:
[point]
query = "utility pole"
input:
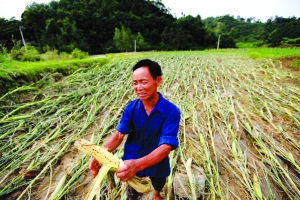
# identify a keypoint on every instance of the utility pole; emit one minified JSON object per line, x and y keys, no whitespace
{"x":218,"y":42}
{"x":20,"y":27}
{"x":134,"y":45}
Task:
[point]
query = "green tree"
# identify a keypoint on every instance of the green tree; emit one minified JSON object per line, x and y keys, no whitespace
{"x":34,"y":18}
{"x":123,"y":39}
{"x":279,"y":28}
{"x":118,"y":39}
{"x":275,"y":37}
{"x":9,"y":30}
{"x":239,"y":29}
{"x":186,"y":33}
{"x":140,"y":42}
{"x":226,"y":41}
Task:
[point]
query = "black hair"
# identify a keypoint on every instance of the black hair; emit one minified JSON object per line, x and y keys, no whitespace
{"x":154,"y":67}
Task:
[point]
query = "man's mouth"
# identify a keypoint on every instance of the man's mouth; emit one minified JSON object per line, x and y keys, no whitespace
{"x":142,"y":94}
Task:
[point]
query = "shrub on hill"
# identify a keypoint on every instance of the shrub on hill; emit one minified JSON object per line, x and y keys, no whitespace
{"x":29,"y":53}
{"x":4,"y":56}
{"x":76,"y":53}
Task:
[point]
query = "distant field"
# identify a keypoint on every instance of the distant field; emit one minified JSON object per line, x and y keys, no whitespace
{"x":240,"y":123}
{"x":274,"y":52}
{"x":16,"y":73}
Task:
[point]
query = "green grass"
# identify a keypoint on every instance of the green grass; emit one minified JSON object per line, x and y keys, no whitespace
{"x":11,"y":71}
{"x":295,"y":65}
{"x":33,"y":68}
{"x":273,"y":52}
{"x":246,"y":45}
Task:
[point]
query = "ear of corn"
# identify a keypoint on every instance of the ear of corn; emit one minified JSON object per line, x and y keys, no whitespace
{"x":102,"y":155}
{"x":140,"y":184}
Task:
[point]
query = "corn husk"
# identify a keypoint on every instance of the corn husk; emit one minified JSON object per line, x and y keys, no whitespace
{"x":140,"y":184}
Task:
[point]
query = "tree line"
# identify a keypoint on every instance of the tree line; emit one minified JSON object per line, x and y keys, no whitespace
{"x":103,"y":26}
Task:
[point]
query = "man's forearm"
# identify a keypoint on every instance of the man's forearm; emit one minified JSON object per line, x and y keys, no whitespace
{"x":154,"y":157}
{"x":131,"y":167}
{"x":114,"y":141}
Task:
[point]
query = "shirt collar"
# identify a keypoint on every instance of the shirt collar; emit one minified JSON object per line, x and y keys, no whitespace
{"x":159,"y":106}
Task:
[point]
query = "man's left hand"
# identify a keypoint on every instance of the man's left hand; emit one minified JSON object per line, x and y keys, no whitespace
{"x":128,"y":170}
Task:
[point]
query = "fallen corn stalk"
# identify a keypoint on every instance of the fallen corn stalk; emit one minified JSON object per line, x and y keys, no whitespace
{"x":105,"y":158}
{"x":95,"y":186}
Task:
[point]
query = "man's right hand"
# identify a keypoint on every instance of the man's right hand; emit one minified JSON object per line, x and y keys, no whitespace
{"x":94,"y":167}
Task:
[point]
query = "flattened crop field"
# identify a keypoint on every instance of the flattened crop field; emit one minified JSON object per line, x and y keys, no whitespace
{"x":240,"y":123}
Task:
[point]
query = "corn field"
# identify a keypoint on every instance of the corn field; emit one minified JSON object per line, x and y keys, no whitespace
{"x":240,"y":122}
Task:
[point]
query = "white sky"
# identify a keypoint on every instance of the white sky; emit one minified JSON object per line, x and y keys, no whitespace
{"x":260,"y":9}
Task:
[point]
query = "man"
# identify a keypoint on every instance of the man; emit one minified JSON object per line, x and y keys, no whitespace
{"x":151,"y":123}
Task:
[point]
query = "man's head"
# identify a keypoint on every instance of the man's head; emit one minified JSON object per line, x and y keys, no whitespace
{"x":146,"y":77}
{"x":154,"y":67}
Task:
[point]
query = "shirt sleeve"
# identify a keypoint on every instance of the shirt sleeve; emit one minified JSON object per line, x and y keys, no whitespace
{"x":125,"y":123}
{"x":170,"y":129}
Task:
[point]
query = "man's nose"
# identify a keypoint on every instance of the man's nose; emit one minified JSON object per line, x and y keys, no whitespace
{"x":139,"y":86}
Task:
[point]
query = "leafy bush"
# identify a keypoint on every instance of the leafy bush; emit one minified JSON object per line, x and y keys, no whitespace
{"x":76,"y":53}
{"x":55,"y":55}
{"x":15,"y":52}
{"x":291,"y":40}
{"x":51,"y":55}
{"x":3,"y":54}
{"x":227,"y":41}
{"x":20,"y":53}
{"x":258,"y":44}
{"x":65,"y":56}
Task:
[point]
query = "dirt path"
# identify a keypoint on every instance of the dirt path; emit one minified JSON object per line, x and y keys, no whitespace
{"x":98,"y":56}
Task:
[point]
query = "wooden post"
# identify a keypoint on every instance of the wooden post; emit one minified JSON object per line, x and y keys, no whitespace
{"x":218,"y":42}
{"x":20,"y":27}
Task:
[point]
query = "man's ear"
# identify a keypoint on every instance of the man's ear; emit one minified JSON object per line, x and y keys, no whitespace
{"x":158,"y":80}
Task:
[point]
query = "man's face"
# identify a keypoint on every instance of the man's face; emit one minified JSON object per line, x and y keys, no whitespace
{"x":143,"y":83}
